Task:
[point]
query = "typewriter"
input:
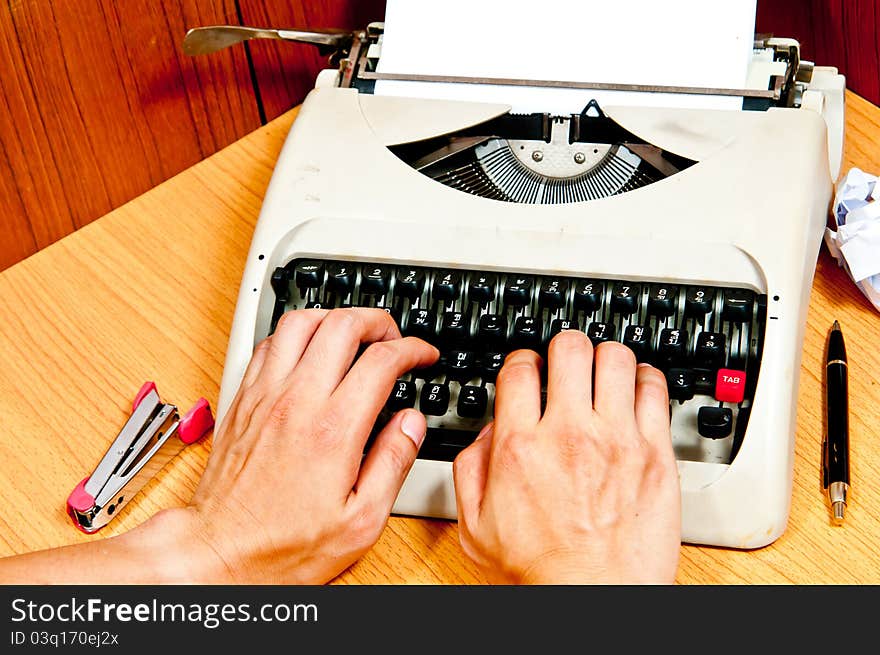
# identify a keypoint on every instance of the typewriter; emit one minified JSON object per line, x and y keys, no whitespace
{"x":689,"y":235}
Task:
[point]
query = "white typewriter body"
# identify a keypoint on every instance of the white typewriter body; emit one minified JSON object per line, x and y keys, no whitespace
{"x":750,"y":213}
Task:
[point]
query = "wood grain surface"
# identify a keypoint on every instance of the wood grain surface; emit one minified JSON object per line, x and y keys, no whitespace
{"x":98,"y":104}
{"x":148,"y":293}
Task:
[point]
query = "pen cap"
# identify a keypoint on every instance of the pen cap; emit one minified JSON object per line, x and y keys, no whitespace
{"x":836,"y":346}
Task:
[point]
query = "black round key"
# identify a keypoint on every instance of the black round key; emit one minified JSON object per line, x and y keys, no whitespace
{"x":455,"y":327}
{"x":309,"y":274}
{"x":560,"y":324}
{"x":374,"y":280}
{"x":553,"y":293}
{"x":340,"y":278}
{"x":625,"y":298}
{"x":518,"y":290}
{"x":492,"y":329}
{"x":489,"y":364}
{"x":673,"y":347}
{"x":482,"y":288}
{"x":737,"y":305}
{"x":714,"y":422}
{"x":662,"y":300}
{"x":281,"y":284}
{"x":710,"y":350}
{"x":638,"y":339}
{"x":410,"y":283}
{"x":434,"y":400}
{"x":460,"y":365}
{"x":402,"y":396}
{"x":527,"y":332}
{"x":601,"y":332}
{"x":681,"y":383}
{"x":588,"y":295}
{"x":698,"y":301}
{"x":472,"y":402}
{"x":422,"y":323}
{"x":447,"y":285}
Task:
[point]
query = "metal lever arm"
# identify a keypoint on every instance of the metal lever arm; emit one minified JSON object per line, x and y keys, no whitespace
{"x":205,"y":40}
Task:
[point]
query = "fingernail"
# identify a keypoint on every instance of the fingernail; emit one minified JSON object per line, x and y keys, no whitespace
{"x":413,"y":425}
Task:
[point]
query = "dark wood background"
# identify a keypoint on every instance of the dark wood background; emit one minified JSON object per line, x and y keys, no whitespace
{"x":99,"y":104}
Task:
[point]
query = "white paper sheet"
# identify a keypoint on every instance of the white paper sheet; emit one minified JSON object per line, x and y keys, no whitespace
{"x":675,"y":42}
{"x":856,"y":241}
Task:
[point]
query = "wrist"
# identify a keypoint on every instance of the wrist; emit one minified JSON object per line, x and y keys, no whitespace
{"x":169,"y":545}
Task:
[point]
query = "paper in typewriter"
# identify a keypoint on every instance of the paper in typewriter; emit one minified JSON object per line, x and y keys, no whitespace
{"x":671,"y":43}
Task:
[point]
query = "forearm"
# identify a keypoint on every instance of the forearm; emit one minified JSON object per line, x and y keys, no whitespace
{"x":153,"y":553}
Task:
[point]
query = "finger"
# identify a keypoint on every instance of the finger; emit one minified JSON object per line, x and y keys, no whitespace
{"x":333,"y":348}
{"x":256,"y":363}
{"x":365,"y":390}
{"x":569,"y":373}
{"x":470,"y":470}
{"x":387,"y":464}
{"x":292,"y":335}
{"x":652,"y":405}
{"x":615,"y":387}
{"x":518,"y":391}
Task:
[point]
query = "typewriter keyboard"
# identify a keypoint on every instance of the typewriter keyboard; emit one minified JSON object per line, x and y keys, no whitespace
{"x":707,"y":340}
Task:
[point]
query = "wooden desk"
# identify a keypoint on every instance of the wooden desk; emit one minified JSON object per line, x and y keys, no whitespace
{"x":148,"y":293}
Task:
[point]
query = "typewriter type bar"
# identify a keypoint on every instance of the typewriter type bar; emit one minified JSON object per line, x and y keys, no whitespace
{"x":151,"y":437}
{"x":707,"y":340}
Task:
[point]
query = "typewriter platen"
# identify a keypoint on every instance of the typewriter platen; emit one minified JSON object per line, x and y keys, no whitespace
{"x":689,"y":235}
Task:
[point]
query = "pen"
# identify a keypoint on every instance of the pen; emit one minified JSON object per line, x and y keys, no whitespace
{"x":836,"y":447}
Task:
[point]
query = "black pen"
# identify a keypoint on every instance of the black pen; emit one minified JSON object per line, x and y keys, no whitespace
{"x":836,"y":447}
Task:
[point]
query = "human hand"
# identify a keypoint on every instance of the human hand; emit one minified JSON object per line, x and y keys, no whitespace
{"x":587,"y":493}
{"x":285,"y":497}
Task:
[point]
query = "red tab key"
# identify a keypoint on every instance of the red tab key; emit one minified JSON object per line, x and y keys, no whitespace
{"x":730,"y":386}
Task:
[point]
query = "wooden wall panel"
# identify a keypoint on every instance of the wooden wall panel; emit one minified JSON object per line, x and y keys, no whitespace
{"x":842,"y":33}
{"x":285,"y":72}
{"x":99,"y":104}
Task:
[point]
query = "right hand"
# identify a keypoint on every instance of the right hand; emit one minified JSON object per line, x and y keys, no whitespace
{"x":587,"y":493}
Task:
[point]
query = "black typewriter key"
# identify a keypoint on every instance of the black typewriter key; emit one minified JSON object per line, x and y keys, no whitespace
{"x":340,"y":278}
{"x":455,"y":327}
{"x":281,"y":284}
{"x":625,"y":298}
{"x":601,"y":332}
{"x":588,"y":295}
{"x":518,"y":290}
{"x":681,"y":383}
{"x":662,"y":299}
{"x":374,"y":280}
{"x":482,"y":288}
{"x":447,"y":286}
{"x":309,"y":274}
{"x":459,"y":365}
{"x":715,"y":422}
{"x":410,"y":283}
{"x":422,"y":323}
{"x":711,"y":349}
{"x":402,"y":396}
{"x":737,"y":305}
{"x":698,"y":301}
{"x":638,"y":339}
{"x":489,"y":364}
{"x":704,"y":381}
{"x":553,"y":293}
{"x":434,"y":400}
{"x":315,"y":305}
{"x":560,"y":324}
{"x":472,"y":402}
{"x":672,"y":349}
{"x":527,"y":333}
{"x":492,"y":329}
